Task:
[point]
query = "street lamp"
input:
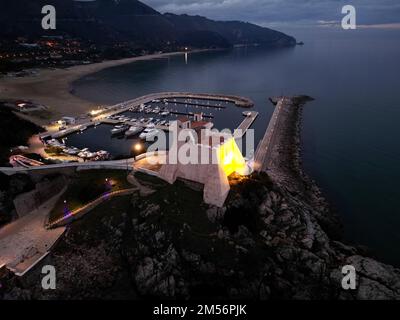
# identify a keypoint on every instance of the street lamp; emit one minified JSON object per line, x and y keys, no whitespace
{"x":138,"y":147}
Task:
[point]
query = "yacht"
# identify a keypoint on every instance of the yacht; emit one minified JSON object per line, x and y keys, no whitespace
{"x":149,"y":133}
{"x":72,"y":151}
{"x":133,"y":131}
{"x":119,"y":129}
{"x":164,"y":113}
{"x":246,"y":113}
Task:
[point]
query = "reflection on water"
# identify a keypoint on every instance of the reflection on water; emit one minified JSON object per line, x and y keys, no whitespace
{"x":351,"y":130}
{"x":223,"y":115}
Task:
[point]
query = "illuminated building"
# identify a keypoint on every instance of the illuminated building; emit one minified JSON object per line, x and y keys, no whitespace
{"x":212,"y":157}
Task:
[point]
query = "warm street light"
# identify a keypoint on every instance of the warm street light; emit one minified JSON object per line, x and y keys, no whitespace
{"x":138,"y":147}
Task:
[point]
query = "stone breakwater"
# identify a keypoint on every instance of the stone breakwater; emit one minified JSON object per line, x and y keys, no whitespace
{"x":285,"y":164}
{"x":275,"y":238}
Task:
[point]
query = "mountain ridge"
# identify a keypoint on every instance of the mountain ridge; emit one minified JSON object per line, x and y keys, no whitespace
{"x":109,"y":22}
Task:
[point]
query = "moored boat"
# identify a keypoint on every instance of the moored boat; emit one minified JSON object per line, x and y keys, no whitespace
{"x":133,"y":131}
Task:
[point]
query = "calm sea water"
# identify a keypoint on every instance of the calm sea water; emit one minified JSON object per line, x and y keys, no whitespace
{"x":351,"y":132}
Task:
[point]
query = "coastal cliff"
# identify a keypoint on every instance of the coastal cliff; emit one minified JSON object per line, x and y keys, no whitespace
{"x":275,"y":238}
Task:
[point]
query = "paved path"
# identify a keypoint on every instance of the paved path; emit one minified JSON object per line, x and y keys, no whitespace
{"x":266,"y":145}
{"x":246,"y":124}
{"x":24,"y":241}
{"x":79,"y":213}
{"x":126,"y":164}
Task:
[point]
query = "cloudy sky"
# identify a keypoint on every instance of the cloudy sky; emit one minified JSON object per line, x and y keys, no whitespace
{"x":283,"y":12}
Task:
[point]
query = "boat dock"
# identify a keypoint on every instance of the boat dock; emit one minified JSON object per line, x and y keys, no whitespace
{"x":135,"y":124}
{"x":246,"y":124}
{"x":198,"y":104}
{"x":210,"y":116}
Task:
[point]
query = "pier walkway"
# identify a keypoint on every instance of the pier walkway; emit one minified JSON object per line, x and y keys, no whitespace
{"x":135,"y":124}
{"x":241,"y":130}
{"x":126,"y":164}
{"x":199,"y":104}
{"x":265,"y":147}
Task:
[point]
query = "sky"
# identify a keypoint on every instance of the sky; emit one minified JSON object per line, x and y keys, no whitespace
{"x":370,"y":13}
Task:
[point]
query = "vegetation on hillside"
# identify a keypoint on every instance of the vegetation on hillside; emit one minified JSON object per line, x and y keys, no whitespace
{"x":14,"y":132}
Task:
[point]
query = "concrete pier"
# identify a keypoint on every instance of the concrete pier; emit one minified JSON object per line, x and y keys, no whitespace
{"x":197,"y":104}
{"x":265,"y":147}
{"x":246,"y":124}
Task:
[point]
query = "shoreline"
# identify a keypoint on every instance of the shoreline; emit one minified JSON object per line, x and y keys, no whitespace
{"x":287,"y":171}
{"x":52,"y":88}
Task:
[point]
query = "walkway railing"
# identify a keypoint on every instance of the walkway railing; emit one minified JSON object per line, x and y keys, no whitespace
{"x":79,"y":213}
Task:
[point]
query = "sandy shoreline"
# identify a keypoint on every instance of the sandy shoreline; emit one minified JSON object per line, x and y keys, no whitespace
{"x":52,"y":87}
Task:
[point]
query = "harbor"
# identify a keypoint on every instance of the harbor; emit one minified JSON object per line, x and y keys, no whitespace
{"x":123,"y":130}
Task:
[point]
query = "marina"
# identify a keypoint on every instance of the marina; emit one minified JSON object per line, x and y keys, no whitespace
{"x":121,"y":130}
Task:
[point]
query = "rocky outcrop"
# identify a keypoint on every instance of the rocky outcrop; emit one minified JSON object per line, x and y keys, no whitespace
{"x":275,"y":238}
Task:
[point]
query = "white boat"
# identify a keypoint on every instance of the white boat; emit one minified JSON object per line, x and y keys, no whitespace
{"x":165,"y":113}
{"x":119,"y":129}
{"x":150,"y":125}
{"x":148,"y":134}
{"x":72,"y":151}
{"x":102,"y":155}
{"x":133,"y":131}
{"x":246,"y":113}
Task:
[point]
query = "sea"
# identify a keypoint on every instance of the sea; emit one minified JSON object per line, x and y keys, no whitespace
{"x":350,"y":134}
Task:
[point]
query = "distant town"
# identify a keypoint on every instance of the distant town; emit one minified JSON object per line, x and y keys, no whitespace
{"x":19,"y":57}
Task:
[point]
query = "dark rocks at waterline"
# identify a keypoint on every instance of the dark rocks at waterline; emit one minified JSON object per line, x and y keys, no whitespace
{"x":183,"y":249}
{"x":275,"y":238}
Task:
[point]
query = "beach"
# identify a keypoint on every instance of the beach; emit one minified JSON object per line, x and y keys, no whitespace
{"x":52,"y":88}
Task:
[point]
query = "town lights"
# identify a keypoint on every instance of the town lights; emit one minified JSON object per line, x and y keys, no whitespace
{"x":95,"y":112}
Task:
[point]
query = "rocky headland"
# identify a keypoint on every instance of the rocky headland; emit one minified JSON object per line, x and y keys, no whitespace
{"x":275,"y":238}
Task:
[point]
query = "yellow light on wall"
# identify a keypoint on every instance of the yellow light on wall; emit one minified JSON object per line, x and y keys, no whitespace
{"x":230,"y":157}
